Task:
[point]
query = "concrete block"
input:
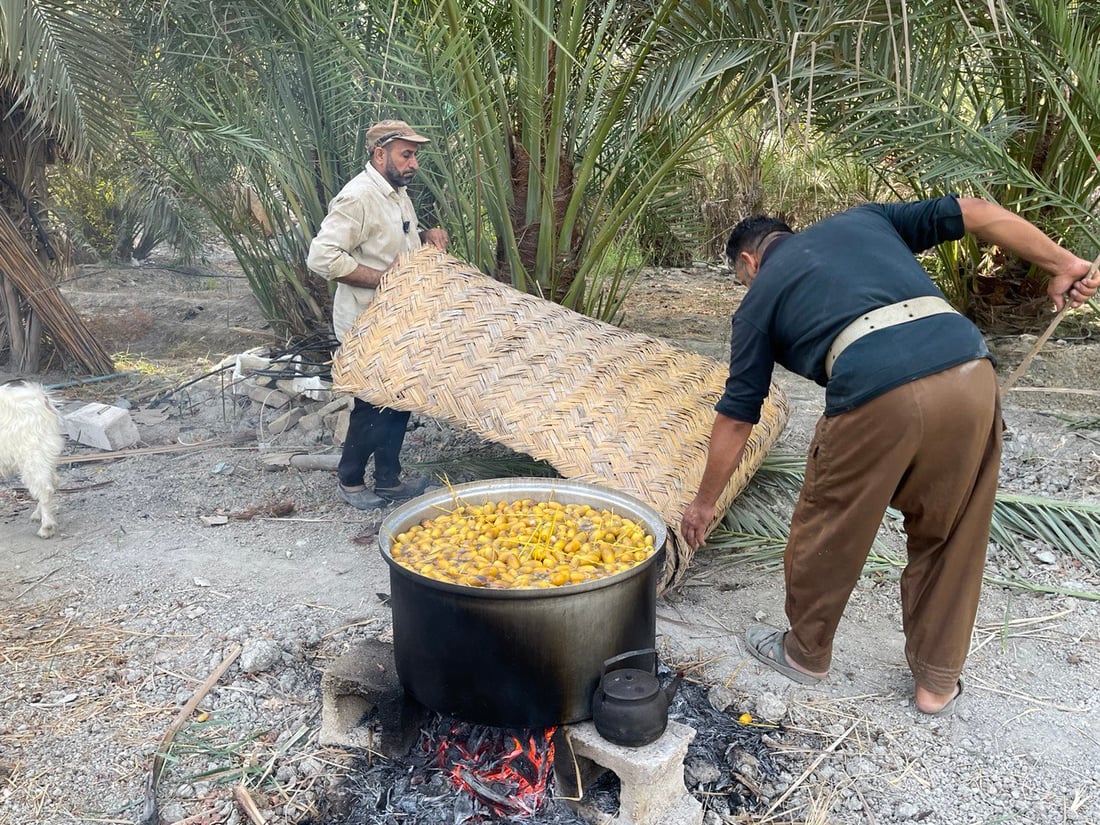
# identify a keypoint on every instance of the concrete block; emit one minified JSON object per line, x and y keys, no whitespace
{"x":344,"y":402}
{"x":285,"y":421}
{"x":268,"y":397}
{"x":312,"y":421}
{"x":651,"y":778}
{"x":338,"y":423}
{"x":361,"y":685}
{"x":102,"y":426}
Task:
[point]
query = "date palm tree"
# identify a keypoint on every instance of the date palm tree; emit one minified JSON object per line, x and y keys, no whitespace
{"x":998,"y":99}
{"x":561,"y":125}
{"x":57,"y":104}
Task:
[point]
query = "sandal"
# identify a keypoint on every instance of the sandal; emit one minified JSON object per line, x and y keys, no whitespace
{"x":949,"y":708}
{"x":766,"y":645}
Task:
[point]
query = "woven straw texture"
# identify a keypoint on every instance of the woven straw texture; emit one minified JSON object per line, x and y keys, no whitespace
{"x":600,"y":404}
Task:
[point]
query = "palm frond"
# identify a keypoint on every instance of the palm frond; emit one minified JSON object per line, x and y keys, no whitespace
{"x":755,"y":530}
{"x":1069,"y":527}
{"x":63,"y":64}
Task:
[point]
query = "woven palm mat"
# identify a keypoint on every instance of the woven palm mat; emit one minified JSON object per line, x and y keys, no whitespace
{"x":600,"y":404}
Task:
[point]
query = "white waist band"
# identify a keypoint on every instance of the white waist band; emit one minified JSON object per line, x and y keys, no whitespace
{"x":888,"y":316}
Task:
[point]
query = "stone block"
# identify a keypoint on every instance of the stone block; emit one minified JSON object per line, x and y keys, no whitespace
{"x":312,"y":387}
{"x":244,"y":365}
{"x":651,"y":778}
{"x":102,"y":426}
{"x":362,"y":686}
{"x":285,"y":421}
{"x":268,"y":397}
{"x":344,"y":402}
{"x":338,"y":423}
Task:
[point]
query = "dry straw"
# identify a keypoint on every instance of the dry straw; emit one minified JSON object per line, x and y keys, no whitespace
{"x":600,"y":404}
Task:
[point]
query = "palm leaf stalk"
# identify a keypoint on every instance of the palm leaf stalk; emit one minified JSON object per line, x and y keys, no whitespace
{"x":754,"y":532}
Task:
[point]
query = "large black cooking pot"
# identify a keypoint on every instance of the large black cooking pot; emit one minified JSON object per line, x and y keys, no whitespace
{"x":517,"y":658}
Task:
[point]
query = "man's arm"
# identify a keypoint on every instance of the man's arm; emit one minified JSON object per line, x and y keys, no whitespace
{"x":995,"y":224}
{"x":330,"y":250}
{"x":362,"y":276}
{"x":727,"y":442}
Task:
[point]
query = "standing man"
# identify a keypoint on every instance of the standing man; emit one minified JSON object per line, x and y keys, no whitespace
{"x":912,"y":419}
{"x":369,"y":223}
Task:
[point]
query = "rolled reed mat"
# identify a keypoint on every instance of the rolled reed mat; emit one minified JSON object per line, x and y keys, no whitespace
{"x":600,"y":404}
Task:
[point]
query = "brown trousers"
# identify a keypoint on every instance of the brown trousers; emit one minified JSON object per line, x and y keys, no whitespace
{"x":931,"y":449}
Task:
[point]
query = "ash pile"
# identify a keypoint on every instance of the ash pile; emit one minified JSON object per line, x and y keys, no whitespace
{"x":458,"y":773}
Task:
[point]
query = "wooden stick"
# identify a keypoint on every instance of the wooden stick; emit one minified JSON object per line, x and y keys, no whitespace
{"x":168,"y":448}
{"x":149,"y":812}
{"x":1010,"y":382}
{"x":244,"y":799}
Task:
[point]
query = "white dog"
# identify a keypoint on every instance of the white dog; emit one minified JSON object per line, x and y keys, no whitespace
{"x":30,"y":442}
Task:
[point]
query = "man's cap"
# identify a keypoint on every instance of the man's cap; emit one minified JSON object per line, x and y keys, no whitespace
{"x":386,"y":131}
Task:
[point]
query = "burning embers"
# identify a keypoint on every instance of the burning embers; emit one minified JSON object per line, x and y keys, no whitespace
{"x":506,"y":772}
{"x":457,"y":773}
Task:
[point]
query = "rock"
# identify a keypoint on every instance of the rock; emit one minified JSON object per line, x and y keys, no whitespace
{"x":721,"y":697}
{"x":259,"y":656}
{"x":699,"y":770}
{"x":770,"y":707}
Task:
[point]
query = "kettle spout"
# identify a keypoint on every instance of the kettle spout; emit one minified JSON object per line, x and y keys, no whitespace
{"x":673,"y":686}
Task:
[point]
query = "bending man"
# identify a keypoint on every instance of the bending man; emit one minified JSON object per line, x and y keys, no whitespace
{"x":912,"y":419}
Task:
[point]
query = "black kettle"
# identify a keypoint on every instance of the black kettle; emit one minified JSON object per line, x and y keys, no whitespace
{"x":630,"y":707}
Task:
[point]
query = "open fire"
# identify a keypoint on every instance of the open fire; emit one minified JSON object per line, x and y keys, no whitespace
{"x":507,"y":772}
{"x":461,"y":773}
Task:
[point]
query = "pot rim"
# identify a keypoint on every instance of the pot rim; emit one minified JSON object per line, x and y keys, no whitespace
{"x":576,"y":492}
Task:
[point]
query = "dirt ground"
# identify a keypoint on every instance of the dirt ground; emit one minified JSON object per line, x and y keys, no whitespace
{"x":107,"y":630}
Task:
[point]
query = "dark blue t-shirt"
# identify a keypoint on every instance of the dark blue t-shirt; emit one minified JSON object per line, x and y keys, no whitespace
{"x":812,"y":284}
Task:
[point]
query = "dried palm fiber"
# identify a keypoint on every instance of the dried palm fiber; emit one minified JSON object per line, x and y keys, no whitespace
{"x":66,"y":328}
{"x":600,"y":404}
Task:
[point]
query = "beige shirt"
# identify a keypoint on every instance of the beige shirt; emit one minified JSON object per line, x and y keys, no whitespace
{"x":370,"y":223}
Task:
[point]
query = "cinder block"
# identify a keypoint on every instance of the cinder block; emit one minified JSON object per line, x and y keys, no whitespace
{"x":102,"y":426}
{"x":651,"y":778}
{"x":285,"y":421}
{"x":360,"y":686}
{"x":268,"y":397}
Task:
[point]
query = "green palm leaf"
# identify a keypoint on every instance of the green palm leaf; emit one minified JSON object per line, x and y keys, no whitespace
{"x":755,"y":530}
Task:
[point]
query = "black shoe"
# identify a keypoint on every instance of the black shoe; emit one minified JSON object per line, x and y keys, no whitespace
{"x":403,"y":491}
{"x":360,"y":499}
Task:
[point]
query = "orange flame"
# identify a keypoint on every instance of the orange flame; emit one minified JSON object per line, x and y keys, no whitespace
{"x":507,"y":774}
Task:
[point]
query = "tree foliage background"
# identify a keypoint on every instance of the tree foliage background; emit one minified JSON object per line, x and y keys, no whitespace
{"x":575,"y":141}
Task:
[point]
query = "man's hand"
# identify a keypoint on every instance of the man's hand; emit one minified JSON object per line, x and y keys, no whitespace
{"x":437,"y":237}
{"x":1078,"y":283}
{"x":697,"y":518}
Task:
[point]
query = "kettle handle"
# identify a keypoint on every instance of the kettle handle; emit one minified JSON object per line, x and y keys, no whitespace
{"x":630,"y":654}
